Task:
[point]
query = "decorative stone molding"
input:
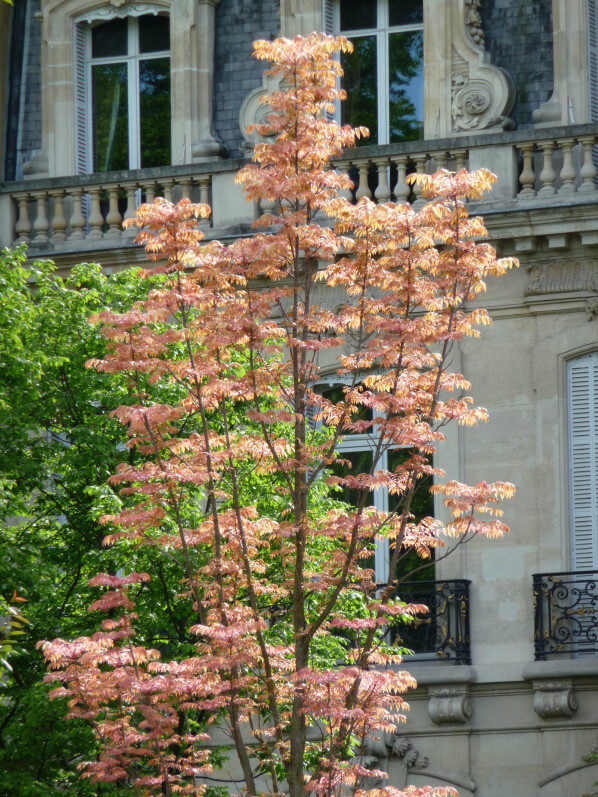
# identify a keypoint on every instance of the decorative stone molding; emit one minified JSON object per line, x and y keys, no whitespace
{"x":592,"y":308}
{"x":192,"y":25}
{"x":449,"y":705}
{"x":254,"y":111}
{"x":473,"y":20}
{"x":569,"y":101}
{"x":554,"y":699}
{"x":463,"y":91}
{"x":395,"y":747}
{"x":559,"y":278}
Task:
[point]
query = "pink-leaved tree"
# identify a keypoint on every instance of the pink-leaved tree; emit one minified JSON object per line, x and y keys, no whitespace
{"x":236,"y":474}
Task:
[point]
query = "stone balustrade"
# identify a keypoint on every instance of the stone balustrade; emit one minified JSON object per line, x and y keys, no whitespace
{"x":82,"y":212}
{"x":544,"y":167}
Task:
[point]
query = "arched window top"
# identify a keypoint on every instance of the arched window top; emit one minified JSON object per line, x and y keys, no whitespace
{"x":108,"y":12}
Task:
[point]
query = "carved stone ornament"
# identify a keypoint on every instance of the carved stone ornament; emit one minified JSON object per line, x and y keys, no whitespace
{"x":592,"y":308}
{"x":473,"y":20}
{"x":554,"y":699}
{"x":449,"y":704}
{"x":560,"y":278}
{"x":120,"y":9}
{"x":482,"y":95}
{"x":394,"y":746}
{"x":255,"y":111}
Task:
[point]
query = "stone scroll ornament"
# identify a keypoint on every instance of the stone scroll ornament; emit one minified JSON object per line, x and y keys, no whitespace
{"x":482,"y":95}
{"x":254,"y":111}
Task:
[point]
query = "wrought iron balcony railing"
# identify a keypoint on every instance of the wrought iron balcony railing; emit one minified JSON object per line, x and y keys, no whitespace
{"x":565,"y":613}
{"x":442,"y":634}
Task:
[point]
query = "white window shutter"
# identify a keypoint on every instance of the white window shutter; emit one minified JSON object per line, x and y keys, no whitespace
{"x":82,"y":122}
{"x":328,"y":17}
{"x":593,"y":59}
{"x":582,"y":389}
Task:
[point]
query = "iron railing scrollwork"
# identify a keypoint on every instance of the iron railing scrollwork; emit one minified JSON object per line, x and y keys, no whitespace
{"x":442,"y":634}
{"x":565,"y":613}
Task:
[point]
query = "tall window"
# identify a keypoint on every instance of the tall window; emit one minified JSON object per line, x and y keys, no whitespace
{"x":358,"y":450}
{"x":127,"y":88}
{"x":582,"y":411}
{"x":384,"y":76}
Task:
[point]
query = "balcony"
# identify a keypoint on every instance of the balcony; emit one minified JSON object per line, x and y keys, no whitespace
{"x":537,"y":169}
{"x":565,"y":614}
{"x":443,"y":634}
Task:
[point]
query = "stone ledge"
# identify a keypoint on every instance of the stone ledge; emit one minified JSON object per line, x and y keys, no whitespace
{"x":562,"y":668}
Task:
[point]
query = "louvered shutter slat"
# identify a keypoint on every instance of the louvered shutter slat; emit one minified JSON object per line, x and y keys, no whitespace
{"x":82,"y":148}
{"x":582,"y":388}
{"x":328,"y":17}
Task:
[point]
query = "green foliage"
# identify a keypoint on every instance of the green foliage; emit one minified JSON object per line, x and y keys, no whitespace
{"x":58,"y":444}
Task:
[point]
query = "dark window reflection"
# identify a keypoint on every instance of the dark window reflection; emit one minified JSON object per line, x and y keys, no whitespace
{"x":406,"y":90}
{"x":109,"y":39}
{"x":110,"y":117}
{"x":358,"y":14}
{"x":405,"y":12}
{"x":422,"y":505}
{"x":154,"y":100}
{"x":361,"y":462}
{"x":154,"y":33}
{"x":361,"y":84}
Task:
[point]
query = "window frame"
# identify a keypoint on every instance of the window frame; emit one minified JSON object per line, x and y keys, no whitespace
{"x":382,"y":32}
{"x":84,"y":138}
{"x":358,"y":442}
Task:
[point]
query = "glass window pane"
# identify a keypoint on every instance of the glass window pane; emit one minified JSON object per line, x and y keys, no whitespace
{"x":154,"y":102}
{"x":361,"y":462}
{"x":154,"y":33}
{"x":109,"y":39}
{"x":405,"y":12}
{"x":422,"y":503}
{"x":360,"y":81}
{"x":406,"y":89}
{"x":110,"y":117}
{"x":358,"y":14}
{"x":336,"y":394}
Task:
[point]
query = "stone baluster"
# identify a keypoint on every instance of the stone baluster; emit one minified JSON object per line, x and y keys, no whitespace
{"x":185,"y":183}
{"x":441,"y":160}
{"x":59,"y":221}
{"x":150,"y":192}
{"x":113,"y":217}
{"x":41,"y":224}
{"x":363,"y":188}
{"x":547,"y":175}
{"x":527,"y":177}
{"x":420,"y":164}
{"x":461,"y":157}
{"x":401,"y":190}
{"x":588,"y":170}
{"x":382,"y":192}
{"x":77,"y":219}
{"x":568,"y":171}
{"x":23,"y":225}
{"x":131,"y":190}
{"x":344,"y":169}
{"x":95,"y":220}
{"x":168,"y":186}
{"x":204,"y":197}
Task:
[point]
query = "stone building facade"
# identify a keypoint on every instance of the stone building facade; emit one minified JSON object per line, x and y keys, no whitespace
{"x":507,"y":702}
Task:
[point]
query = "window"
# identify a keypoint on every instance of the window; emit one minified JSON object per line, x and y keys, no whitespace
{"x":582,"y":423}
{"x":358,"y":449}
{"x":384,"y":76}
{"x":124,"y":120}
